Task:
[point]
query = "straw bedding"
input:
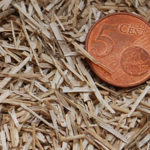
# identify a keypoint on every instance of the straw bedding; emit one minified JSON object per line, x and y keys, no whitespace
{"x":49,"y":97}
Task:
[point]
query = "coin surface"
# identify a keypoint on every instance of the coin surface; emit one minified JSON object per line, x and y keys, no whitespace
{"x":121,"y":42}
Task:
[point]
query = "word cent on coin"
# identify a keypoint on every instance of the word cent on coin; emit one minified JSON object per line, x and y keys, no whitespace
{"x":132,"y":29}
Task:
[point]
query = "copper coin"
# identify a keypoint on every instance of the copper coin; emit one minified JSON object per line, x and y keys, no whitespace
{"x":121,"y":42}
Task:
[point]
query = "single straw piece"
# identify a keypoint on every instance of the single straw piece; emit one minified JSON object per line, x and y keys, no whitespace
{"x":139,"y":100}
{"x":13,"y":71}
{"x":37,"y":116}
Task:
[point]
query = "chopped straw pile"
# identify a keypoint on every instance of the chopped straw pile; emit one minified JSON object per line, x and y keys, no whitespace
{"x":50,"y":99}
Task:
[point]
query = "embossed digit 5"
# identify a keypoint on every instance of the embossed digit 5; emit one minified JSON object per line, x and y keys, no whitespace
{"x":103,"y":44}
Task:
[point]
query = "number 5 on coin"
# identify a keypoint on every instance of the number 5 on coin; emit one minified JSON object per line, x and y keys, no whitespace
{"x":103,"y":44}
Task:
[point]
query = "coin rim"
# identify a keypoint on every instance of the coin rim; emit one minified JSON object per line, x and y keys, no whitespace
{"x":90,"y":62}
